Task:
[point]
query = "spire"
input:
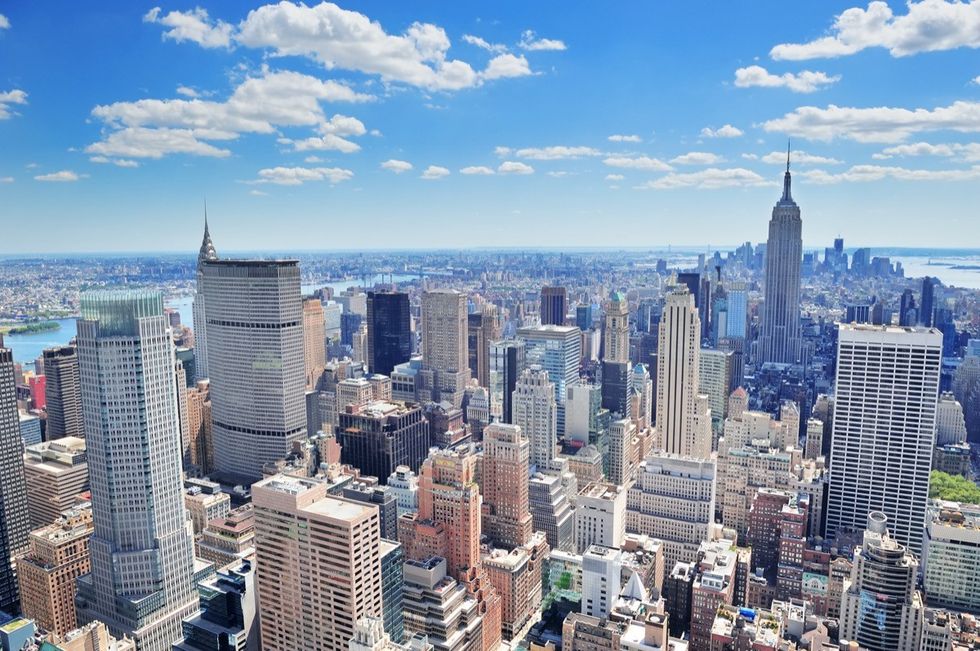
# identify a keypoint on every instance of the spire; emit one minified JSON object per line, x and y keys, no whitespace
{"x":787,"y":197}
{"x":207,"y":251}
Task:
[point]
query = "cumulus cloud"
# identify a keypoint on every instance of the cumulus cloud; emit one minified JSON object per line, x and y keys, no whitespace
{"x":514,"y":167}
{"x":484,"y":44}
{"x":7,"y":99}
{"x":708,"y":179}
{"x":878,"y":124}
{"x":644,"y":163}
{"x":867,"y":173}
{"x":503,"y":66}
{"x":194,"y":25}
{"x":929,"y":26}
{"x":557,"y":152}
{"x":725,"y":131}
{"x":396,"y":166}
{"x":806,"y":81}
{"x":697,"y":158}
{"x":614,"y":177}
{"x":530,"y":41}
{"x":433,"y":172}
{"x":966,"y":151}
{"x":624,"y":138}
{"x":187,"y":91}
{"x":332,"y":136}
{"x":300,"y":175}
{"x":4,"y":24}
{"x":477,"y":170}
{"x":64,"y":176}
{"x":118,"y":162}
{"x":798,"y":158}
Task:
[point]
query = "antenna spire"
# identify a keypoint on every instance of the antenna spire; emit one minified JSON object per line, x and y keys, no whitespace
{"x":787,"y":155}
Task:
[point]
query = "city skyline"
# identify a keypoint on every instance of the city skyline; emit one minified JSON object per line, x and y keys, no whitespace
{"x":200,"y":108}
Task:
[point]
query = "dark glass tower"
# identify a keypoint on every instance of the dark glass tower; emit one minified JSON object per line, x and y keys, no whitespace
{"x":382,"y":436}
{"x":14,"y":522}
{"x":62,"y":393}
{"x":389,"y":325}
{"x":554,"y":305}
{"x":928,"y":302}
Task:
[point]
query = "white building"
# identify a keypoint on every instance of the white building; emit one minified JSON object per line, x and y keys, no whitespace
{"x":951,"y":556}
{"x":950,"y":422}
{"x":404,"y":485}
{"x":536,"y":413}
{"x":600,"y":516}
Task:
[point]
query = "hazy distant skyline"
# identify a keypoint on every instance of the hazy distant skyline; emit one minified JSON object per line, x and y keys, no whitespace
{"x":466,"y":125}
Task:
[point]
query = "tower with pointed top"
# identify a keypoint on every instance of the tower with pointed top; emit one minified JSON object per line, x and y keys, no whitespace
{"x":206,"y":253}
{"x":780,"y":340}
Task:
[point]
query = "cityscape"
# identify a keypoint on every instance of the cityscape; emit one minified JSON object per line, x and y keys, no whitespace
{"x":260,"y":415}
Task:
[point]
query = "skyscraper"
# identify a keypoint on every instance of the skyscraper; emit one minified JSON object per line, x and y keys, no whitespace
{"x":506,"y":458}
{"x":884,"y":428}
{"x":483,"y":327}
{"x":379,"y":436}
{"x":389,"y":325}
{"x":62,"y":393}
{"x":927,"y":304}
{"x":536,"y":413}
{"x":207,"y":252}
{"x":683,"y":416}
{"x":554,"y":305}
{"x":506,"y":365}
{"x":314,"y":341}
{"x":557,"y":349}
{"x":142,"y":550}
{"x":779,"y":339}
{"x":14,"y":517}
{"x":254,"y":323}
{"x":445,"y":364}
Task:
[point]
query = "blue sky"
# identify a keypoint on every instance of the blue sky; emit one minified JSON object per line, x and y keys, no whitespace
{"x":375,"y":125}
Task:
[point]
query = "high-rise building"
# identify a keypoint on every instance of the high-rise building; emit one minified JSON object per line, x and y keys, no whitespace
{"x":951,"y":556}
{"x":483,"y":327}
{"x":403,"y":483}
{"x":624,"y":452}
{"x":927,"y":302}
{"x":63,"y":395}
{"x":295,"y":523}
{"x":881,"y":610}
{"x":600,"y":516}
{"x":713,"y":586}
{"x":516,"y":577}
{"x":227,"y":619}
{"x":557,"y":349}
{"x":314,"y":341}
{"x":14,"y":517}
{"x":616,"y":339}
{"x":506,"y":459}
{"x":206,"y":253}
{"x":884,"y":427}
{"x":536,"y":413}
{"x":683,"y":415}
{"x":950,"y":421}
{"x":506,"y":365}
{"x":229,"y":540}
{"x":780,"y":339}
{"x":551,"y":510}
{"x":253,"y":318}
{"x":380,"y":436}
{"x":56,"y":473}
{"x":440,"y":607}
{"x":716,"y":377}
{"x":393,"y":588}
{"x":389,"y":325}
{"x":642,"y":402}
{"x":142,"y":550}
{"x":445,"y":364}
{"x":554,"y":305}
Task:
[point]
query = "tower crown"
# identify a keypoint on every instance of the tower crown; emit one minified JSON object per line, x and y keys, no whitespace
{"x":207,"y":251}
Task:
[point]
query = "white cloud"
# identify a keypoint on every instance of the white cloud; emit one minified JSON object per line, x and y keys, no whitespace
{"x":478,"y":170}
{"x":502,"y":151}
{"x":966,"y":151}
{"x":797,"y":158}
{"x":312,"y":159}
{"x":708,"y":179}
{"x":258,"y":193}
{"x":644,"y":163}
{"x":194,"y":25}
{"x":331,"y":136}
{"x":187,"y":91}
{"x":140,"y":142}
{"x":725,"y":131}
{"x":867,"y":173}
{"x":64,"y":176}
{"x":396,"y":166}
{"x":6,"y":179}
{"x":4,"y":24}
{"x":530,"y":41}
{"x":614,"y":177}
{"x":624,"y":138}
{"x":118,"y":162}
{"x":557,"y":152}
{"x":929,"y":26}
{"x":697,"y":158}
{"x":806,"y":81}
{"x":975,"y":81}
{"x":504,"y":66}
{"x":514,"y":167}
{"x":484,"y":44}
{"x":878,"y":124}
{"x":300,"y":175}
{"x":433,"y":172}
{"x":11,"y":97}
{"x":558,"y":174}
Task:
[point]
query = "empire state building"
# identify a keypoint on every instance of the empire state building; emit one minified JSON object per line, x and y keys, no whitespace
{"x":779,"y":340}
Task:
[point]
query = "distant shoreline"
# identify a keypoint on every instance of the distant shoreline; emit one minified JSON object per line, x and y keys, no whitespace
{"x":35,"y":327}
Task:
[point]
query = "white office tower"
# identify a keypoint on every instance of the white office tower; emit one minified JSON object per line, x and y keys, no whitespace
{"x":207,"y":252}
{"x":557,"y":349}
{"x":142,"y":551}
{"x":683,"y":416}
{"x":880,"y":608}
{"x":616,"y":340}
{"x":950,"y":422}
{"x":600,"y":516}
{"x":536,"y":413}
{"x":884,"y":427}
{"x":779,"y":339}
{"x":642,"y":397}
{"x":673,"y":499}
{"x":951,"y":556}
{"x":445,"y":362}
{"x":256,"y":362}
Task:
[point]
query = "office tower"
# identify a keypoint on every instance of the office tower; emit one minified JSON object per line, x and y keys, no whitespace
{"x":673,"y":500}
{"x":737,"y":302}
{"x":506,"y":365}
{"x":229,"y":540}
{"x":551,"y":511}
{"x":504,"y":485}
{"x":404,"y":485}
{"x":616,"y":336}
{"x":583,"y":317}
{"x":483,"y":327}
{"x":389,"y":325}
{"x":683,"y":416}
{"x":205,"y":502}
{"x":516,"y":578}
{"x":142,"y":548}
{"x":557,"y":349}
{"x":642,"y":402}
{"x":254,"y":324}
{"x":951,"y":556}
{"x":950,"y":422}
{"x":440,"y":607}
{"x":14,"y":517}
{"x":617,"y":387}
{"x":62,"y":393}
{"x":350,"y":325}
{"x":713,"y":586}
{"x":884,"y":427}
{"x":227,"y":619}
{"x":445,"y":367}
{"x":536,"y":413}
{"x":392,"y":588}
{"x":881,"y":609}
{"x":908,"y":314}
{"x":367,"y":490}
{"x":600,"y":515}
{"x":206,"y":253}
{"x":582,"y":413}
{"x":57,"y":556}
{"x":624,"y":452}
{"x":294,"y":519}
{"x":198,"y":434}
{"x":56,"y":473}
{"x":780,"y":339}
{"x":554,"y":305}
{"x":478,"y":411}
{"x":30,"y":428}
{"x":314,"y":340}
{"x":927,"y":301}
{"x":379,"y":436}
{"x":715,"y":377}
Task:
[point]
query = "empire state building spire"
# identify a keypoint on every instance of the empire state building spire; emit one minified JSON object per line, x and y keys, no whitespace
{"x":787,"y":180}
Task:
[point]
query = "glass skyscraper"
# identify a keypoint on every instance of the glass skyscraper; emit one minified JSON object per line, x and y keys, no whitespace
{"x":389,"y":326}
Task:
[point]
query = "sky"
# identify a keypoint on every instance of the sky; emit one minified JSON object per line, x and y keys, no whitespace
{"x":507,"y":124}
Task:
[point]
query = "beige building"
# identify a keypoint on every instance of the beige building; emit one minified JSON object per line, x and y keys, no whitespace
{"x":205,"y":502}
{"x":56,"y":473}
{"x":445,"y":362}
{"x":198,"y":423}
{"x":93,"y":636}
{"x":624,"y":452}
{"x":438,"y":606}
{"x":318,"y":564}
{"x":229,"y":540}
{"x":505,"y":486}
{"x":516,"y":576}
{"x":314,"y":340}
